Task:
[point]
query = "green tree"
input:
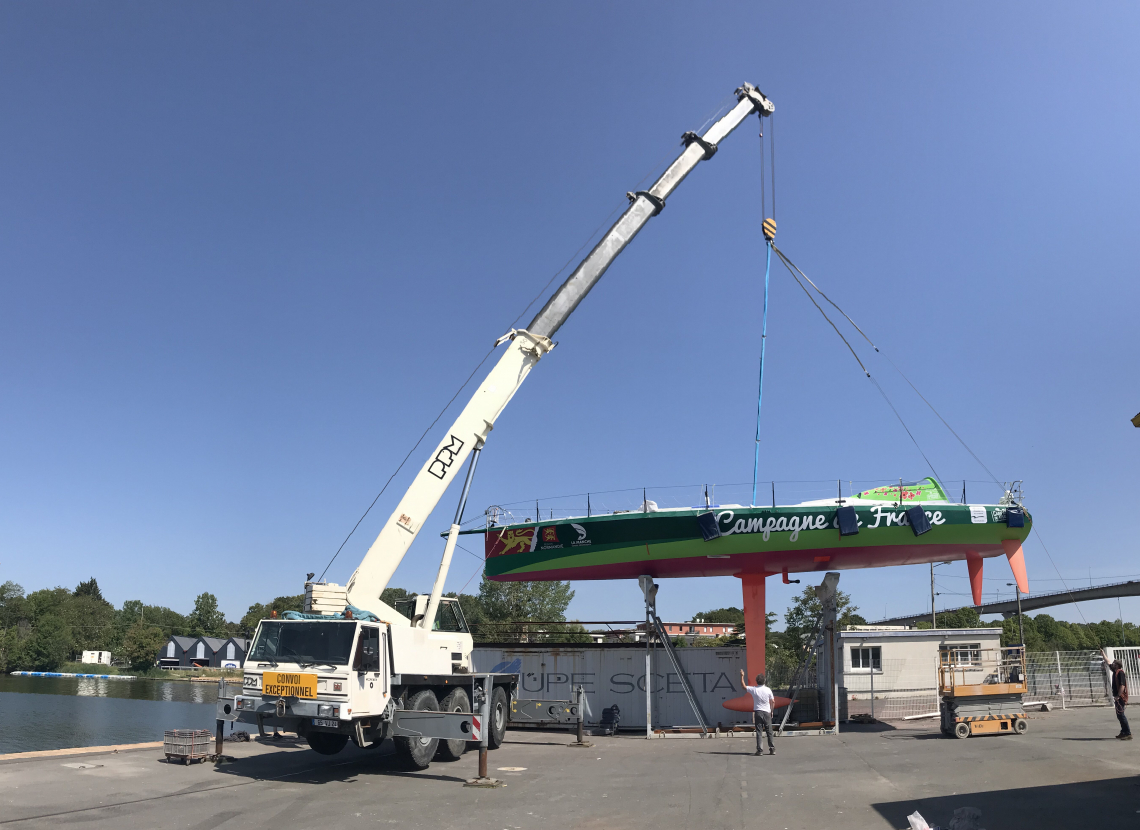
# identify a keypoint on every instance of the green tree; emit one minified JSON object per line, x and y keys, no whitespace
{"x":49,"y":647}
{"x":7,"y":649}
{"x":521,"y":602}
{"x":206,"y":618}
{"x":141,"y":645}
{"x":90,"y":588}
{"x":390,"y":596}
{"x":801,"y":616}
{"x":12,"y":604}
{"x":722,"y":615}
{"x":258,"y":612}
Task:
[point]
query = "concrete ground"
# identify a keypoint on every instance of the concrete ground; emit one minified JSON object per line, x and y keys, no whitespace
{"x":1067,"y":772}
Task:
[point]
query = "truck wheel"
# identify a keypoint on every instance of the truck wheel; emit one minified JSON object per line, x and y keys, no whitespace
{"x":500,"y":713}
{"x":961,"y":730}
{"x":1020,"y":725}
{"x":416,"y":753}
{"x":456,"y":701}
{"x":326,"y":743}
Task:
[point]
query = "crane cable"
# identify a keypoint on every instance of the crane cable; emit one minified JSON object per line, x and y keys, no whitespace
{"x":790,"y":266}
{"x":620,"y":207}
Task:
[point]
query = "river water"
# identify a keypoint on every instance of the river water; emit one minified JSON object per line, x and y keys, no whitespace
{"x":58,"y":712}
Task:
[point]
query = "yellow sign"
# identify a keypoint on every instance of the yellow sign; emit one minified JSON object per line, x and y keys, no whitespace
{"x":289,"y":684}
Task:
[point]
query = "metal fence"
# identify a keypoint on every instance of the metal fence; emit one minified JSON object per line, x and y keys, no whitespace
{"x":1063,"y":679}
{"x":1067,"y":678}
{"x":900,"y":689}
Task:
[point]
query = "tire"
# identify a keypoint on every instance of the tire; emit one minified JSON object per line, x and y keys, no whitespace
{"x":456,"y":701}
{"x":1020,"y":725}
{"x":416,"y":753}
{"x":500,"y":714}
{"x":961,"y":730}
{"x":326,"y":743}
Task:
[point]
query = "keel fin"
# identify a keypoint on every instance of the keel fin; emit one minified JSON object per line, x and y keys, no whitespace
{"x":1016,"y":558}
{"x":974,"y":564}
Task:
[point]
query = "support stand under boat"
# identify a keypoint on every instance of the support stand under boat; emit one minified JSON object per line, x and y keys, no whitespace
{"x":654,"y":627}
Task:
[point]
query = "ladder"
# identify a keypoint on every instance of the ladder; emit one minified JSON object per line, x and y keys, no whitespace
{"x":659,"y":630}
{"x":801,"y":671}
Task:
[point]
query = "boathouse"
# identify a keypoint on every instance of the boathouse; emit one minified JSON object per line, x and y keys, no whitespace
{"x":175,"y":654}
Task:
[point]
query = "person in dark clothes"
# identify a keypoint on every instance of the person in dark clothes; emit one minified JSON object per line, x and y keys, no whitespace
{"x":1120,"y":698}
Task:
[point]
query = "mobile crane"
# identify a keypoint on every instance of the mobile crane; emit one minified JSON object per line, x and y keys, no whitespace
{"x":354,"y":667}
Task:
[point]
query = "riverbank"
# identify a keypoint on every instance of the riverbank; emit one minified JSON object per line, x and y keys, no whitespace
{"x":152,"y":673}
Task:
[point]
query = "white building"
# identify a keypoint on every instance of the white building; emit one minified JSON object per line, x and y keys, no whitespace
{"x":900,"y":665}
{"x":102,"y":658}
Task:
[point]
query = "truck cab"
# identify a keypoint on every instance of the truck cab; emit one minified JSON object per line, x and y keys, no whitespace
{"x":335,"y":679}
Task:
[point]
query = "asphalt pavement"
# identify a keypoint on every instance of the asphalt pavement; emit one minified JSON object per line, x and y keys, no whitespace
{"x":1066,"y":772}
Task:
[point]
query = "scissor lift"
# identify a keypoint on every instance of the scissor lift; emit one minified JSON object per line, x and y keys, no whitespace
{"x":982,"y":691}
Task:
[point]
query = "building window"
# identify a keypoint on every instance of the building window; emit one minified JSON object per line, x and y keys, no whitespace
{"x":867,"y":658}
{"x":966,"y":654}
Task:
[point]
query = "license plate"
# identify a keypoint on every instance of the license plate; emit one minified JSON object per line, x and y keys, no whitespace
{"x":289,"y":684}
{"x":331,"y":724}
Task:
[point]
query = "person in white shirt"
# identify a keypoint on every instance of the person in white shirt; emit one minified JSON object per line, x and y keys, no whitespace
{"x":762,"y":699}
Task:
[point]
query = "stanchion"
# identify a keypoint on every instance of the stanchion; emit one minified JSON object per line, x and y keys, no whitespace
{"x":581,"y":700}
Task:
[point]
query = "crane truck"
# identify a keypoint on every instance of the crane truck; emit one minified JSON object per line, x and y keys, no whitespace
{"x":353,"y":667}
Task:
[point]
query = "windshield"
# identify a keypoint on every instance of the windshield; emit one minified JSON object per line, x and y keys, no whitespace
{"x":304,"y":642}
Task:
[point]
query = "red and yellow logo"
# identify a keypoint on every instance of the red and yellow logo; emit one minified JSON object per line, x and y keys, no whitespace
{"x":508,"y":540}
{"x":550,"y":534}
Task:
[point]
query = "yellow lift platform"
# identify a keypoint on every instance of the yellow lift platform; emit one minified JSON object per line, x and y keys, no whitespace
{"x":982,"y":691}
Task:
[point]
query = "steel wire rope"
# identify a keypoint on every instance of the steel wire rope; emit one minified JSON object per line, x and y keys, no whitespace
{"x":860,"y":362}
{"x":537,"y":296}
{"x":789,"y":264}
{"x":893,"y":366}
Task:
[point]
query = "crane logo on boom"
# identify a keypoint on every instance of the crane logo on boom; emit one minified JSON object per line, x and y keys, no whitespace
{"x":445,"y":457}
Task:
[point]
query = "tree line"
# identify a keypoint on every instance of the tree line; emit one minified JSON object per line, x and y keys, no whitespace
{"x":786,"y":650}
{"x":45,"y":629}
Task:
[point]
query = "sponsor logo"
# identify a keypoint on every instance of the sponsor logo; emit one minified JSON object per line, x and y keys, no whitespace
{"x":883,"y":517}
{"x":550,"y":535}
{"x":509,"y":540}
{"x":445,"y":457}
{"x":581,"y":531}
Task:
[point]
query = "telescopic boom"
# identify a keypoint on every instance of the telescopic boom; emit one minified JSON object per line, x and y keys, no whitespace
{"x":525,"y":348}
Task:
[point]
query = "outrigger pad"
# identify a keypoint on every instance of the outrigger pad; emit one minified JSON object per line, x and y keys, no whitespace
{"x":918,"y":521}
{"x":848,"y":521}
{"x":709,"y":528}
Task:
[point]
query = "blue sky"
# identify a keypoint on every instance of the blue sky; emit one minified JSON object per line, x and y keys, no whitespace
{"x":250,"y":251}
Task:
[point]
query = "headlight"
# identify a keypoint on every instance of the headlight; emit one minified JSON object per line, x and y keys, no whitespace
{"x":327,"y":711}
